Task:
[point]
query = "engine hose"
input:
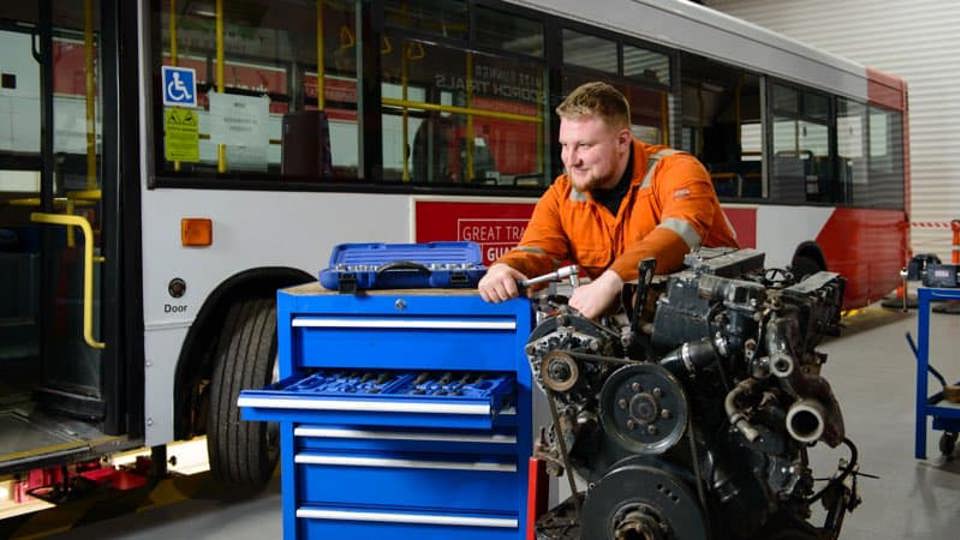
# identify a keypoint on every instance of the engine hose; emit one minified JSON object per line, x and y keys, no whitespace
{"x":735,"y":415}
{"x":690,"y":357}
{"x":847,"y":471}
{"x":698,"y":474}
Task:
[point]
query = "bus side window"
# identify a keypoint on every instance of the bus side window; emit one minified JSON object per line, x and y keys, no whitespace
{"x":721,"y":125}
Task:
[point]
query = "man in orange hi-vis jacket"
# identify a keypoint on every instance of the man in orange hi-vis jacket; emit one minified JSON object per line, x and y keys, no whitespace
{"x":619,"y":201}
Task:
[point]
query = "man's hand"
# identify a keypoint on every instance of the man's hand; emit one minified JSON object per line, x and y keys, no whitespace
{"x":592,"y":299}
{"x":500,"y":283}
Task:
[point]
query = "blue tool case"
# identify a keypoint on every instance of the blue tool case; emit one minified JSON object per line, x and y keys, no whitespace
{"x":363,"y":266}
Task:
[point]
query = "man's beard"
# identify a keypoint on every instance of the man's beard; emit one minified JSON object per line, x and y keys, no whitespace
{"x":592,"y":182}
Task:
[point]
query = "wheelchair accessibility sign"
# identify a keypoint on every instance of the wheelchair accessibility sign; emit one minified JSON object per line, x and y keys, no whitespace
{"x":179,"y":86}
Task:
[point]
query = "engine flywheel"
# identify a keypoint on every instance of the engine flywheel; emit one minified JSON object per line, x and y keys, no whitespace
{"x":639,"y":502}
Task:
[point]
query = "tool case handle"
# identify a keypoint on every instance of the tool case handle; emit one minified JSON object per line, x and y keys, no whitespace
{"x":397,"y":266}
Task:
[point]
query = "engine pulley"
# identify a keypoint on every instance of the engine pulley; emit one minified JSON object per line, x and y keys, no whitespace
{"x":636,"y":501}
{"x":559,"y":371}
{"x":643,"y":409}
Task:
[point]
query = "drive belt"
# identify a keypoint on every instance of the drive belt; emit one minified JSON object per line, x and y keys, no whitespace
{"x":564,"y":455}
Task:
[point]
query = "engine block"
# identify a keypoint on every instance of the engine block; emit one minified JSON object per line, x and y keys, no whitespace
{"x":689,"y":414}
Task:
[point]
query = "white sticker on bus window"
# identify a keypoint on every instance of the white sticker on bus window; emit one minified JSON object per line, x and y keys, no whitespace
{"x":247,"y":158}
{"x":239,"y":120}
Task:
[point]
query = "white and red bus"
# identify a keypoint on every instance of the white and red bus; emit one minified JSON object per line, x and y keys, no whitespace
{"x":319,"y":122}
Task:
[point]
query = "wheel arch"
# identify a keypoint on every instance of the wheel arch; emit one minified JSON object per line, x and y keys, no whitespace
{"x":195,"y":362}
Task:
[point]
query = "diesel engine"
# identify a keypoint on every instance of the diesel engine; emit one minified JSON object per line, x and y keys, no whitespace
{"x":689,"y":414}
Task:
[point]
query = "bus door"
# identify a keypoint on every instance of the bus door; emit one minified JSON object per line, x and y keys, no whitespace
{"x":52,"y":402}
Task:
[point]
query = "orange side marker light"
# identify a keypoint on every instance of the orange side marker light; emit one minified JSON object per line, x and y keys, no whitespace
{"x":196,"y":232}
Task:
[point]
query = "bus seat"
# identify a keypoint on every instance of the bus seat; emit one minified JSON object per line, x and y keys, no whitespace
{"x":725,"y":183}
{"x":788,"y":180}
{"x":305,"y":145}
{"x":8,"y":240}
{"x":753,"y":185}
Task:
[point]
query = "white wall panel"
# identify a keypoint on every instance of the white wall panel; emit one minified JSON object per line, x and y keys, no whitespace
{"x":918,"y":41}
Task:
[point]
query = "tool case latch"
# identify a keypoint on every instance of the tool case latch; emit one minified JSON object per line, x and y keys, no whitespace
{"x":347,"y":283}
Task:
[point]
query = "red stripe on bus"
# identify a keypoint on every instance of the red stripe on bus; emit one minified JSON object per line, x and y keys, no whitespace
{"x":744,"y":221}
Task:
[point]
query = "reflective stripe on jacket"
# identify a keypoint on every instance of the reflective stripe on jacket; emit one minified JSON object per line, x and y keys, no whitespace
{"x":670,"y":208}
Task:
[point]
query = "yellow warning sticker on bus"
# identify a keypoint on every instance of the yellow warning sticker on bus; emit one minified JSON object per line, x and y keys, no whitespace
{"x":181,"y":135}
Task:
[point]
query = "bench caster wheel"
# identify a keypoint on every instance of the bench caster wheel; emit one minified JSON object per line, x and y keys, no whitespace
{"x":948,"y":443}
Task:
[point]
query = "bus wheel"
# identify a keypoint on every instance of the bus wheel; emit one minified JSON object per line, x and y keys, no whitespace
{"x":243,"y":454}
{"x":803,"y":266}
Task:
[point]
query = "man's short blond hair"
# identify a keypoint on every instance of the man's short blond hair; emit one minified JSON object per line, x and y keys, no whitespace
{"x":597,"y":99}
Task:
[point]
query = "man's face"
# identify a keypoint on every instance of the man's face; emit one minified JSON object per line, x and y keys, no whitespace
{"x":591,"y":151}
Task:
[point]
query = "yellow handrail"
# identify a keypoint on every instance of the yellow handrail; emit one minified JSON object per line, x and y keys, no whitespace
{"x":58,"y":202}
{"x":471,"y":140}
{"x":221,"y":148}
{"x":91,"y":87}
{"x":321,"y":95}
{"x":78,"y":221}
{"x":85,"y":195}
{"x":405,"y":122}
{"x":173,"y":52}
{"x":459,"y":110}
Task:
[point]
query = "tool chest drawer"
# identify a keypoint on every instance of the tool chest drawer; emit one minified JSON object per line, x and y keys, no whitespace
{"x":464,"y":400}
{"x":467,"y":483}
{"x":502,"y":441}
{"x":472,"y":342}
{"x":388,"y":523}
{"x":403,"y":414}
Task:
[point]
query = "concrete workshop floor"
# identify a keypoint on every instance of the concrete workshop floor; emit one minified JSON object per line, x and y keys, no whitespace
{"x":872,"y":373}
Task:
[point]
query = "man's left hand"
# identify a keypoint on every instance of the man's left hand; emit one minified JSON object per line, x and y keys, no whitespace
{"x":593,"y":299}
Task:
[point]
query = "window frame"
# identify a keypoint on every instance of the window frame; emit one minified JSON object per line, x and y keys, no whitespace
{"x":765,"y":125}
{"x":849,"y":200}
{"x":902,"y":150}
{"x":370,"y":28}
{"x":800,"y":115}
{"x":621,"y":40}
{"x":470,"y":46}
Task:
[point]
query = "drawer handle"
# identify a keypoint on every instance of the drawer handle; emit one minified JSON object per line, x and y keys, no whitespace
{"x":424,"y":519}
{"x":363,"y":406}
{"x":405,"y":324}
{"x":347,"y":461}
{"x":334,"y":433}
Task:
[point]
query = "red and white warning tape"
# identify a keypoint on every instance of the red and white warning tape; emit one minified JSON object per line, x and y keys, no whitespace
{"x":930,"y":224}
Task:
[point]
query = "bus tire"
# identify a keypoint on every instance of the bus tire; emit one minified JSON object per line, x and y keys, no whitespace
{"x":242,"y":455}
{"x":803,"y":266}
{"x":807,"y":260}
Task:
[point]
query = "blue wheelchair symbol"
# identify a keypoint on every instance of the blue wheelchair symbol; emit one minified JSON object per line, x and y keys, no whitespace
{"x":179,"y":86}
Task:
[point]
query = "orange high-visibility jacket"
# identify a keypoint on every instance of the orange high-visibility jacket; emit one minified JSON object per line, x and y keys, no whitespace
{"x":670,"y":208}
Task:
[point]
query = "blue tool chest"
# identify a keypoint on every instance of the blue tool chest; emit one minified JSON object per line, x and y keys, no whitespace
{"x":403,"y":414}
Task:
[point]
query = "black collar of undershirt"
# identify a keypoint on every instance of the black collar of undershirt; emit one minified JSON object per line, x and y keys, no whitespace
{"x":611,"y":198}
